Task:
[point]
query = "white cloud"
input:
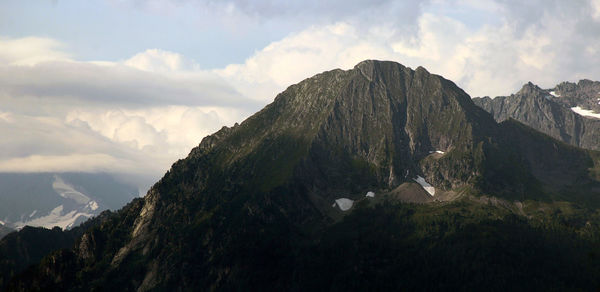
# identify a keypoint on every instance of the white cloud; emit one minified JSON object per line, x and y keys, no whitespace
{"x":595,"y":9}
{"x":300,"y":56}
{"x":30,"y":51}
{"x":135,"y":117}
{"x":136,"y":142}
{"x":64,"y":163}
{"x":155,"y":60}
{"x":116,"y":84}
{"x":171,"y":130}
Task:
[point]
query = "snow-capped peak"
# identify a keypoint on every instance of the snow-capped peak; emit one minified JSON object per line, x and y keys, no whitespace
{"x":56,"y":217}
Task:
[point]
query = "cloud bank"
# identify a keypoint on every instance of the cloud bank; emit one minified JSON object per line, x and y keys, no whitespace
{"x":140,"y":114}
{"x":133,"y":117}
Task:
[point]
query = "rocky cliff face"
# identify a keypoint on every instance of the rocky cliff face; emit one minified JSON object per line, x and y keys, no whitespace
{"x":549,"y":111}
{"x":245,"y":206}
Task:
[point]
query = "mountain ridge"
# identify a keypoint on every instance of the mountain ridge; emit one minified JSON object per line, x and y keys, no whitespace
{"x":550,"y":111}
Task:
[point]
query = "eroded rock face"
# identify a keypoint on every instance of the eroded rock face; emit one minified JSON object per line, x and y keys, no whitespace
{"x":549,"y":111}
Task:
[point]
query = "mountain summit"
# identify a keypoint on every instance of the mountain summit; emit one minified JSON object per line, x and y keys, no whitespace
{"x":269,"y":203}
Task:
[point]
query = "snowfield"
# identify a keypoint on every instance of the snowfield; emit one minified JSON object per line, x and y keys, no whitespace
{"x":343,"y":203}
{"x":585,"y":113}
{"x":61,"y":216}
{"x":426,"y":186}
{"x":57,"y":217}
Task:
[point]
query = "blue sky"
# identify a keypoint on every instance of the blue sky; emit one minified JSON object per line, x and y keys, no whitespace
{"x":129,"y":86}
{"x":212,"y":33}
{"x":106,"y":30}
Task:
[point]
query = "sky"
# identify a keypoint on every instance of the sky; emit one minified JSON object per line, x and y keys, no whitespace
{"x":130,"y":86}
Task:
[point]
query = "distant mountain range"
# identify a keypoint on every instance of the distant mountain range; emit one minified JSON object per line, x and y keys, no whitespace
{"x":569,"y":112}
{"x":376,"y":178}
{"x":58,"y":199}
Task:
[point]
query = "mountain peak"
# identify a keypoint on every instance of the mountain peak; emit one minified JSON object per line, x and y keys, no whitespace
{"x":371,"y":62}
{"x":372,"y":68}
{"x":529,"y":88}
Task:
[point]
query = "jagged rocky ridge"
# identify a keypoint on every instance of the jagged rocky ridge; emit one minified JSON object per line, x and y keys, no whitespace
{"x":549,"y":111}
{"x":251,"y":205}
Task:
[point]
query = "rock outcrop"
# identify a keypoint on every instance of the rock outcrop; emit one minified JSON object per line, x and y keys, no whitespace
{"x":549,"y":111}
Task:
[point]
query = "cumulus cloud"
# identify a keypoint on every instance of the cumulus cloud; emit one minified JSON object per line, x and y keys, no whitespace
{"x":155,"y":60}
{"x":302,"y":55}
{"x":48,"y":144}
{"x":170,"y":130}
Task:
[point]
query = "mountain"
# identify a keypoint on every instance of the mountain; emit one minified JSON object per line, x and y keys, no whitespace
{"x":565,"y":112}
{"x":379,"y":177}
{"x":28,"y":246}
{"x":59,"y":199}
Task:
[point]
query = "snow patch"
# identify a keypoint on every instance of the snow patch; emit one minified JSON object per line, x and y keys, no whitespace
{"x":426,"y":186}
{"x":370,"y":195}
{"x":553,"y":93}
{"x":585,"y":113}
{"x":344,"y":203}
{"x":68,"y":191}
{"x":32,"y":213}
